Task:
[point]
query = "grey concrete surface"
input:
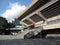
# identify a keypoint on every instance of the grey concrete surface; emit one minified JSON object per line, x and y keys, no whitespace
{"x":18,"y":36}
{"x":30,"y":42}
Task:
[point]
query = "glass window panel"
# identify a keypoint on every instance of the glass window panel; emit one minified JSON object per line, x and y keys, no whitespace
{"x":53,"y":22}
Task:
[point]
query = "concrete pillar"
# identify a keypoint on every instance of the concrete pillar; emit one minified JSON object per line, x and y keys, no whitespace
{"x":30,"y":20}
{"x":38,"y":13}
{"x":24,"y":24}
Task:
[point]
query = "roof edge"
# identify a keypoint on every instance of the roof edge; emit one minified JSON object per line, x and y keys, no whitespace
{"x":33,"y":2}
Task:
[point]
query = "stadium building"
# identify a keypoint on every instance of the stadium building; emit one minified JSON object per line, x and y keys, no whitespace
{"x":45,"y":12}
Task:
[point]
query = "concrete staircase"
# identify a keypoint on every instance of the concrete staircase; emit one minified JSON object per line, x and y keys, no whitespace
{"x":33,"y":33}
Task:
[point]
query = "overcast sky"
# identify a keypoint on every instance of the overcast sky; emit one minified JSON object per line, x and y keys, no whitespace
{"x":11,"y":8}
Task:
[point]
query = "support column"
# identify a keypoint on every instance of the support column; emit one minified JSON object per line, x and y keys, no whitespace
{"x":44,"y":18}
{"x":38,"y":13}
{"x":30,"y":20}
{"x":24,"y":23}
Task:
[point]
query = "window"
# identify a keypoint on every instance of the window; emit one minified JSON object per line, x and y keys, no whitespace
{"x":54,"y":22}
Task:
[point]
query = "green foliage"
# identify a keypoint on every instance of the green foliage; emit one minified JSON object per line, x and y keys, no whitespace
{"x":10,"y":25}
{"x":3,"y":23}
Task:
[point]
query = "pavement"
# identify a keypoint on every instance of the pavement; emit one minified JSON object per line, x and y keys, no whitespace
{"x":18,"y":40}
{"x":18,"y":36}
{"x":30,"y":42}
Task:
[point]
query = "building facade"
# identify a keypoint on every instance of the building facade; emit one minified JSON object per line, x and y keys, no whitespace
{"x":42,"y":12}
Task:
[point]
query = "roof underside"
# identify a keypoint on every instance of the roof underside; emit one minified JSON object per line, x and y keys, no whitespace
{"x":52,"y":10}
{"x":33,"y":8}
{"x":35,"y":15}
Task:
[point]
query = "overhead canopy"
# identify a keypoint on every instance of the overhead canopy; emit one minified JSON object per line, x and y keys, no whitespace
{"x":37,"y":4}
{"x":52,"y":10}
{"x":34,"y":14}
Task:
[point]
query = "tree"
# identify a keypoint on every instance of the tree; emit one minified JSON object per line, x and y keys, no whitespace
{"x":3,"y":24}
{"x":10,"y":25}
